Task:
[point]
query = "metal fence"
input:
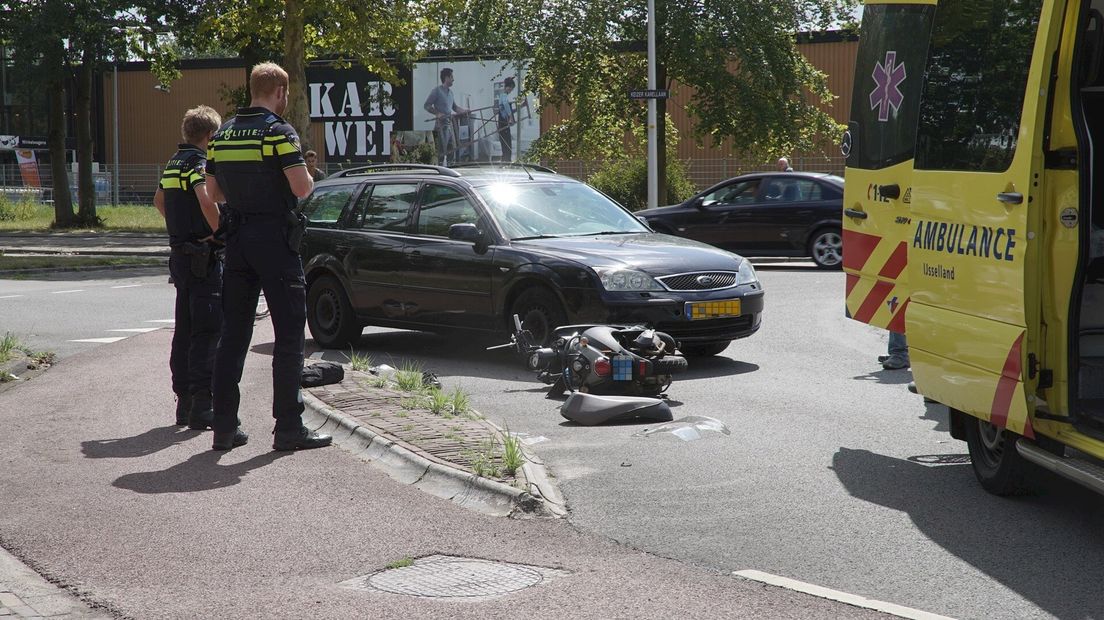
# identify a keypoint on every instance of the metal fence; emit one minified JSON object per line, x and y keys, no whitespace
{"x":138,"y":182}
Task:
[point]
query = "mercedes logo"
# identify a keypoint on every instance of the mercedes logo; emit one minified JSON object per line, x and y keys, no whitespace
{"x":845,"y":143}
{"x":704,"y":280}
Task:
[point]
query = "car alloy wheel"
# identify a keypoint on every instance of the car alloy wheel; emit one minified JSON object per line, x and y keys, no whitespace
{"x":826,"y":248}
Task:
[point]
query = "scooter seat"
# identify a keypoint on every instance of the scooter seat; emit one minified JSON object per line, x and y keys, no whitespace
{"x":591,"y":409}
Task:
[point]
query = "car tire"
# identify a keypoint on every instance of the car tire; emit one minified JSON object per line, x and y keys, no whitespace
{"x":540,"y":313}
{"x":330,"y":316}
{"x":705,"y":350}
{"x":997,"y":464}
{"x":826,"y":248}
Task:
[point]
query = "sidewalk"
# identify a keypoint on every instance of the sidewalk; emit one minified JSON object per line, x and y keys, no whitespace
{"x":68,"y":242}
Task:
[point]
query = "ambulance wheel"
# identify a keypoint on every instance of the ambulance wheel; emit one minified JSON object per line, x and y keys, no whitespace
{"x":330,"y":316}
{"x":826,"y":248}
{"x":997,"y":464}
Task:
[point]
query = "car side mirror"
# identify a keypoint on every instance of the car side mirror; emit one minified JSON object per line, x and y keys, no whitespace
{"x":465,"y":232}
{"x":702,"y":203}
{"x":644,"y":221}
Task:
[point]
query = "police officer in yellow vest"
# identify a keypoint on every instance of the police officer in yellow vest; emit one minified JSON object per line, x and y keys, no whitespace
{"x":257,"y":165}
{"x":191,"y":217}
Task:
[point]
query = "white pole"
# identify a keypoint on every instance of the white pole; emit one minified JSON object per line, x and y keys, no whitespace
{"x":653,"y":153}
{"x":115,"y":126}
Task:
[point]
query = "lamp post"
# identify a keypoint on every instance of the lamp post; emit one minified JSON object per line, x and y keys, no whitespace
{"x":653,"y":146}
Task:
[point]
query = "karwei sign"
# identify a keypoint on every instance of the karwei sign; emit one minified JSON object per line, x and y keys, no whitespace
{"x":358,"y":111}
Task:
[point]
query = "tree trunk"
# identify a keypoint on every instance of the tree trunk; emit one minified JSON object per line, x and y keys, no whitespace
{"x":298,"y":112}
{"x":86,"y":189}
{"x":54,"y":65}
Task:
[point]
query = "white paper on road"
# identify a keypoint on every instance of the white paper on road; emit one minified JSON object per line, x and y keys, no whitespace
{"x":101,"y":340}
{"x":136,"y":330}
{"x":689,"y":428}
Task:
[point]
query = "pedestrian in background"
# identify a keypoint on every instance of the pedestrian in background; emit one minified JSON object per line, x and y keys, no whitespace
{"x":191,"y":218}
{"x":442,"y":105}
{"x":784,"y":165}
{"x":257,"y":164}
{"x":897,"y":353}
{"x":311,"y":158}
{"x":505,"y":114}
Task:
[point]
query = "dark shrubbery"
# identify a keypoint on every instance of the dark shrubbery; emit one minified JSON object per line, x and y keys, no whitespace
{"x":626,"y":181}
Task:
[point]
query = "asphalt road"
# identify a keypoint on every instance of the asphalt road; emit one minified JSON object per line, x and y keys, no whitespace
{"x":822,"y":479}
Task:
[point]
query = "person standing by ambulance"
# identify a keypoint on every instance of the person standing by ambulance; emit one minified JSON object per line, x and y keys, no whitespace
{"x":257,"y":165}
{"x":191,"y":218}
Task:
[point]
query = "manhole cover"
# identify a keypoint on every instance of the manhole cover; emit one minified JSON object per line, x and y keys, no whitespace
{"x":451,"y":577}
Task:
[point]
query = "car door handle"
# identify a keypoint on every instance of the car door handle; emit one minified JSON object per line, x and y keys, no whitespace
{"x":1012,"y":198}
{"x":855,"y":213}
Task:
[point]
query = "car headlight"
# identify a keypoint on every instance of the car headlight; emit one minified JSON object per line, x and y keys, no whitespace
{"x":627,"y":280}
{"x":746,"y":275}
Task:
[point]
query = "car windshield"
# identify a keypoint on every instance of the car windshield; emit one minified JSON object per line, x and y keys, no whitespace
{"x":527,"y":210}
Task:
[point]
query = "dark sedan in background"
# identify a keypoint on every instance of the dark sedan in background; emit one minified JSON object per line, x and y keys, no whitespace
{"x":794,"y":214}
{"x":466,"y":248}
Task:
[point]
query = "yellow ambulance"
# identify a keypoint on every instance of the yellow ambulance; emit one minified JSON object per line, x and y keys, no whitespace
{"x":974,"y":222}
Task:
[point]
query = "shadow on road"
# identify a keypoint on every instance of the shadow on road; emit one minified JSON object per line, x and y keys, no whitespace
{"x":888,"y":377}
{"x":716,"y":366}
{"x":1045,"y":547}
{"x":153,"y":440}
{"x":201,"y":472}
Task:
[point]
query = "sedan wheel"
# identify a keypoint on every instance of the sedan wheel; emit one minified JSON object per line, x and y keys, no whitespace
{"x":540,"y":313}
{"x":826,"y":248}
{"x":330,"y":316}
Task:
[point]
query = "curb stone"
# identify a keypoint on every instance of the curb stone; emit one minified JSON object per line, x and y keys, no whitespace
{"x":464,"y":488}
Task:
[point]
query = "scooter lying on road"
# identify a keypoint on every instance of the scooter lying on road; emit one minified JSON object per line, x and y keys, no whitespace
{"x":601,"y":359}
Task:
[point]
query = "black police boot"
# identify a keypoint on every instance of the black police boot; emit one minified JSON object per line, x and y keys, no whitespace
{"x":229,"y":439}
{"x":200,"y":415}
{"x":183,"y":404}
{"x":300,"y":438}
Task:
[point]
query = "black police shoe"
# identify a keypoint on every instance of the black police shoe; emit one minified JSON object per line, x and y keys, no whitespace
{"x":183,"y":404}
{"x":301,"y":438}
{"x":200,"y":414}
{"x":229,"y":439}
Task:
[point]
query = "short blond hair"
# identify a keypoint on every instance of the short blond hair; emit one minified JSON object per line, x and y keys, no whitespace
{"x":199,"y":123}
{"x":265,"y":78}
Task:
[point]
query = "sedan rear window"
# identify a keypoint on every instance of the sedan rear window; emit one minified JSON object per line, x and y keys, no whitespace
{"x":385,"y":206}
{"x":324,"y":207}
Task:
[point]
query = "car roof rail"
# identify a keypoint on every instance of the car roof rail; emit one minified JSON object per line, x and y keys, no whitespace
{"x":505,"y":164}
{"x":426,"y":168}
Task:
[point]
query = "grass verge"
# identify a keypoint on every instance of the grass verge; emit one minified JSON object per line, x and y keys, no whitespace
{"x":39,"y":217}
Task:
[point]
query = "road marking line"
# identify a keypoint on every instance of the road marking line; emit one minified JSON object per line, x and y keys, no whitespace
{"x":836,"y":595}
{"x":101,"y":340}
{"x":76,"y":290}
{"x":9,"y":296}
{"x":136,"y":330}
{"x":161,"y":321}
{"x":127,"y":286}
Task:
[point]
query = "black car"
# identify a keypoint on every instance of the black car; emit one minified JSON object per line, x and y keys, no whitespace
{"x":466,"y":248}
{"x":766,"y":214}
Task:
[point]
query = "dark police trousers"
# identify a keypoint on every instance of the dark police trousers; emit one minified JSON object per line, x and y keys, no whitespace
{"x":198,"y":320}
{"x":258,"y":258}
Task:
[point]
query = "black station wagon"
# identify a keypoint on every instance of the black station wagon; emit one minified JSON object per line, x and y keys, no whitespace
{"x":466,"y":248}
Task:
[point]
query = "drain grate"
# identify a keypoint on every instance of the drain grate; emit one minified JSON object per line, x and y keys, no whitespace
{"x":453,"y":577}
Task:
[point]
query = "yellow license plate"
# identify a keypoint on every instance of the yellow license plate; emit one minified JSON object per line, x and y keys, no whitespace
{"x":697,"y":310}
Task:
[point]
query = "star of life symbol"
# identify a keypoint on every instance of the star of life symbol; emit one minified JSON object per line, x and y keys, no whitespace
{"x":892,"y":303}
{"x":887,"y":81}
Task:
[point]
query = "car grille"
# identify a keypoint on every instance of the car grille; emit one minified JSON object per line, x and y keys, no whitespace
{"x":700,"y":281}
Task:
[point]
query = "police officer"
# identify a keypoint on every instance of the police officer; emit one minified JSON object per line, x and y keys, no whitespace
{"x":191,"y":217}
{"x":257,"y":165}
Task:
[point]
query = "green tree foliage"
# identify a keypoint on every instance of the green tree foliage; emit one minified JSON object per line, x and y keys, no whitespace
{"x":624,"y":177}
{"x":64,"y":43}
{"x":739,"y":58}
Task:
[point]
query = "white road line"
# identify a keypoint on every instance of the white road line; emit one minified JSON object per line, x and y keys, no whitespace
{"x":126,"y":286}
{"x":76,"y":290}
{"x":836,"y":595}
{"x":161,"y":321}
{"x":9,"y":296}
{"x":136,"y":330}
{"x":101,"y":340}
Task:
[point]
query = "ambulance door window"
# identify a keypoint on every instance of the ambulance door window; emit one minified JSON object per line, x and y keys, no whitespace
{"x":888,"y":81}
{"x":975,"y":82}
